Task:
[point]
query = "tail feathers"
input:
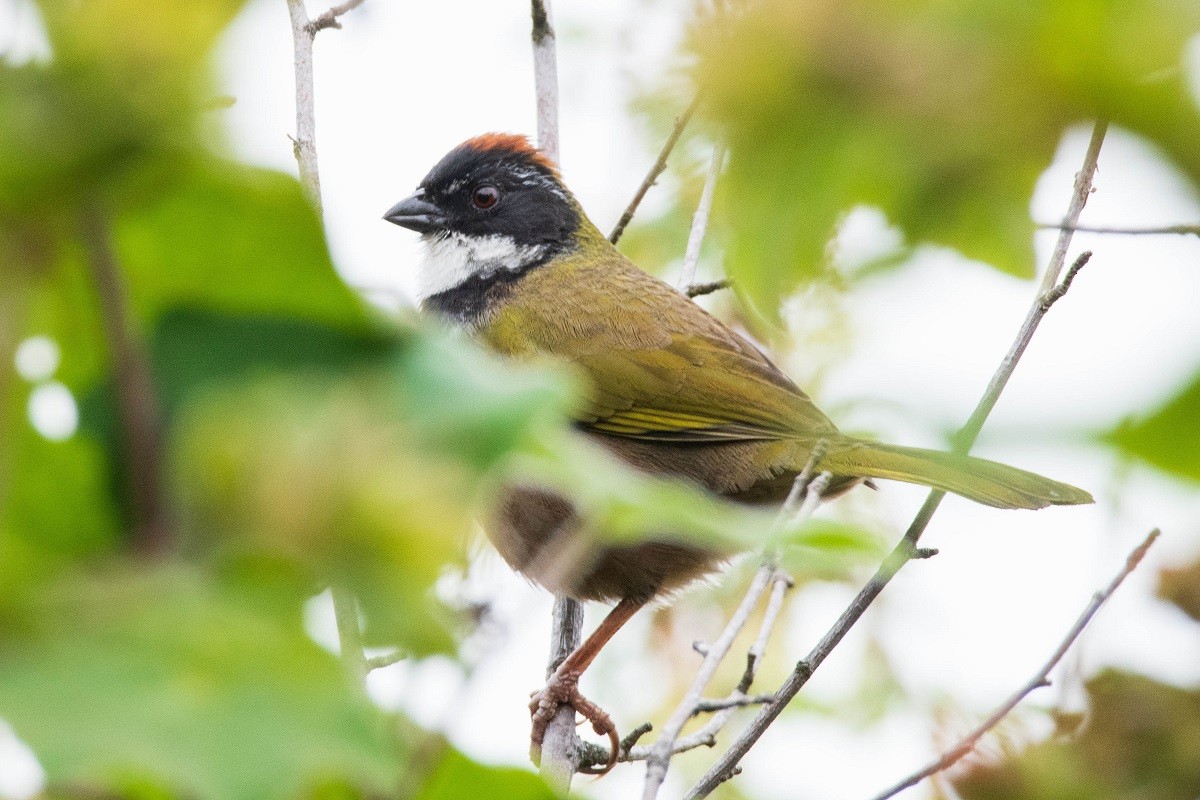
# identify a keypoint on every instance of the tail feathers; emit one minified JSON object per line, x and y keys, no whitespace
{"x":977,"y":479}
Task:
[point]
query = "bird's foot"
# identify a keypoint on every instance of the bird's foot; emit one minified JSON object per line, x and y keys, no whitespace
{"x":563,"y":689}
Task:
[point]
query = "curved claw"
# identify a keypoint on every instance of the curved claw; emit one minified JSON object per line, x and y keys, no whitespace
{"x":563,"y":689}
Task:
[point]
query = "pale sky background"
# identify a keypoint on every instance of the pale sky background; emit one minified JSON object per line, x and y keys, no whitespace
{"x":404,"y":82}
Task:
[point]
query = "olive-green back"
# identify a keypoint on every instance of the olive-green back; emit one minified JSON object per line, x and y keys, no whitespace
{"x":660,"y":367}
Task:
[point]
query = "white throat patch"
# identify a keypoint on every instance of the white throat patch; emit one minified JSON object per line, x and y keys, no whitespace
{"x":452,"y":259}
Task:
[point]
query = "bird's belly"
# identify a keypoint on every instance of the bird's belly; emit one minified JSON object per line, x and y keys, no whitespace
{"x":538,"y":533}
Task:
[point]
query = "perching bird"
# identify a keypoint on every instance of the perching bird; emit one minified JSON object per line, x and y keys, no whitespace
{"x":511,"y":256}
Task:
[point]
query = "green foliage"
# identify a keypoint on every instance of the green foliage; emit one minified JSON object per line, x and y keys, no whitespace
{"x":161,"y":683}
{"x":825,"y":548}
{"x":1166,"y":438}
{"x":307,"y":442}
{"x":941,"y":112}
{"x":458,"y":777}
{"x":121,"y":98}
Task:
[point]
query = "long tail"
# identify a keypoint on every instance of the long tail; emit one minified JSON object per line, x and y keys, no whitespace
{"x":976,"y":479}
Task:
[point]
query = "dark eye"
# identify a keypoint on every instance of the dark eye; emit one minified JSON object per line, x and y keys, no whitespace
{"x":484,"y":197}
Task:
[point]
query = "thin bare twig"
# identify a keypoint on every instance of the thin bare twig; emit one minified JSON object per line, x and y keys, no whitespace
{"x":1182,"y":230}
{"x":136,"y":398}
{"x":656,"y":169}
{"x":1055,"y":294}
{"x":330,"y":19}
{"x":304,"y":145}
{"x":698,"y":289}
{"x":545,"y":77}
{"x":799,"y":492}
{"x":907,"y":549}
{"x":691,"y":256}
{"x":780,"y":583}
{"x":1042,"y":678}
{"x":706,"y":736}
{"x":732,"y":701}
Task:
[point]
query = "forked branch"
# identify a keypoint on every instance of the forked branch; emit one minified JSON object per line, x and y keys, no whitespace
{"x":304,"y":144}
{"x":1042,"y":678}
{"x":906,"y":550}
{"x":331,"y":18}
{"x":801,"y":502}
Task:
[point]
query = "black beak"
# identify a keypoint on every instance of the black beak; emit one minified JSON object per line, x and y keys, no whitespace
{"x":417,"y":214}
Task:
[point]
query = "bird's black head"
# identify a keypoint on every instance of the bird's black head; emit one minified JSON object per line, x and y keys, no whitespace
{"x":495,"y":185}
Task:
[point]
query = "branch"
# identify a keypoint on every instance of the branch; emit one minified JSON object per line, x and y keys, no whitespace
{"x":1058,"y":292}
{"x":137,"y":403}
{"x":304,"y":145}
{"x":780,"y":583}
{"x":805,"y":494}
{"x":801,"y":502}
{"x":345,"y":612}
{"x":698,"y":289}
{"x":379,"y":662}
{"x":906,"y":550}
{"x":691,"y":256}
{"x":655,"y":170}
{"x":659,"y":756}
{"x":732,"y":701}
{"x":561,"y":747}
{"x":1040,"y":679}
{"x":545,"y":78}
{"x":1193,"y":230}
{"x":330,"y":18}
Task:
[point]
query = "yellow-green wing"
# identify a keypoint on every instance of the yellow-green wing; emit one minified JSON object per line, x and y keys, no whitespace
{"x":660,"y":367}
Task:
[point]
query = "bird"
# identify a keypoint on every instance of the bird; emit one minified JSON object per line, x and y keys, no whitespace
{"x":511,"y":258}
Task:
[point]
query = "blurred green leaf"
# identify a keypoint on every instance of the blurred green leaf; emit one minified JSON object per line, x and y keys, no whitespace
{"x":1167,"y":437}
{"x":457,"y":777}
{"x":240,"y":240}
{"x":942,"y":113}
{"x":236,"y":239}
{"x":622,"y":504}
{"x":474,"y":404}
{"x":57,"y":511}
{"x":825,"y":534}
{"x":314,"y":482}
{"x":154,"y":677}
{"x":329,"y":458}
{"x":121,"y":97}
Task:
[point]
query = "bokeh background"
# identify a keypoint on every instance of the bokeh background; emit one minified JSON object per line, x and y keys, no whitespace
{"x":888,"y":163}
